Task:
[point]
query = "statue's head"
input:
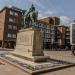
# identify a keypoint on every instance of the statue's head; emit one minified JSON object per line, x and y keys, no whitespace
{"x":32,"y":8}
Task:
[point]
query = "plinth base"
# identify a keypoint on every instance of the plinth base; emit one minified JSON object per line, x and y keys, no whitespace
{"x":30,"y":57}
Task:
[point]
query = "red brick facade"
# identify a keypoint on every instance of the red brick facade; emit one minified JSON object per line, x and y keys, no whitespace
{"x":10,"y":23}
{"x":52,"y":20}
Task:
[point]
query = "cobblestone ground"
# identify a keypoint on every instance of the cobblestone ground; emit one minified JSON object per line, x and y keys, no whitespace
{"x":7,"y":69}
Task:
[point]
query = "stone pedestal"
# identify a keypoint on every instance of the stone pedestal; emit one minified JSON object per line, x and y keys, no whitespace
{"x":29,"y":45}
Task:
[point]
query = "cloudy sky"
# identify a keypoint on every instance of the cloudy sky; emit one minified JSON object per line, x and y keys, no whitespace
{"x":60,"y":8}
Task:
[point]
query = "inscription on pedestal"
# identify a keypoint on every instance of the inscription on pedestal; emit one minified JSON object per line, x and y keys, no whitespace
{"x":25,"y":39}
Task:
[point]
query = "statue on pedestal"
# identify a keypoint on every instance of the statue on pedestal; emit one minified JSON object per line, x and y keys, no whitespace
{"x":30,"y":17}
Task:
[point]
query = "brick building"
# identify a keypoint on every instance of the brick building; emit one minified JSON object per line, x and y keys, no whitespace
{"x":52,"y":20}
{"x":45,"y":30}
{"x":61,"y":32}
{"x":10,"y":23}
{"x":63,"y":36}
{"x":67,"y":37}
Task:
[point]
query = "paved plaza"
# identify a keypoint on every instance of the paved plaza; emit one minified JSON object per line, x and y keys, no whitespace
{"x":8,"y":69}
{"x":37,"y":37}
{"x":62,"y":55}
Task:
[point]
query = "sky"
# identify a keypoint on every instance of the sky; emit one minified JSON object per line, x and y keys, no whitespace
{"x":60,"y":8}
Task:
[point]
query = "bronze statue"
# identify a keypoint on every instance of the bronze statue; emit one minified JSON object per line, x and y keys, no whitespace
{"x":30,"y":17}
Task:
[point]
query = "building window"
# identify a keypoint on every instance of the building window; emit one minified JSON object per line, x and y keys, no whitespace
{"x":16,"y":14}
{"x":47,"y":35}
{"x":43,"y":26}
{"x":9,"y":26}
{"x":9,"y":35}
{"x":14,"y":27}
{"x":47,"y":31}
{"x":41,"y":30}
{"x":13,"y":13}
{"x":10,"y":20}
{"x":14,"y":35}
{"x":14,"y":20}
{"x":47,"y":40}
{"x":39,"y":24}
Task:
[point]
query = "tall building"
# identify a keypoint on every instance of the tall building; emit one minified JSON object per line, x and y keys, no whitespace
{"x":53,"y":32}
{"x":67,"y":38}
{"x":60,"y":37}
{"x":72,"y":33}
{"x":10,"y":23}
{"x":61,"y":32}
{"x":63,"y":36}
{"x":45,"y":30}
{"x":51,"y":23}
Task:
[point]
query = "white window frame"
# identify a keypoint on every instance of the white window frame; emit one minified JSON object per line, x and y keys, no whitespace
{"x":9,"y":26}
{"x":9,"y":35}
{"x":14,"y":35}
{"x":11,"y":13}
{"x":14,"y":27}
{"x":16,"y":14}
{"x":10,"y":20}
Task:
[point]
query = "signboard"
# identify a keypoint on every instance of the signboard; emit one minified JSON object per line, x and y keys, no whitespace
{"x":72,"y":34}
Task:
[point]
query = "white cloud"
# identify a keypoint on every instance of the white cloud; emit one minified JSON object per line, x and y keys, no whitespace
{"x":13,"y":2}
{"x":49,"y":12}
{"x":64,"y":19}
{"x":41,"y":16}
{"x":44,"y":14}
